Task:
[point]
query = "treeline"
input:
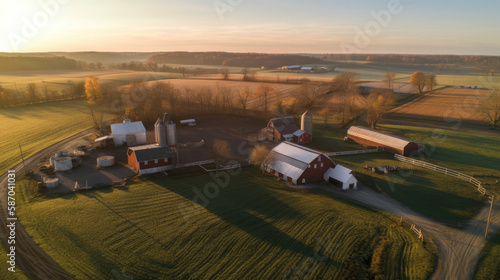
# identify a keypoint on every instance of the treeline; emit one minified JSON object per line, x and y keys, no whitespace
{"x":151,"y":66}
{"x":233,"y":59}
{"x":466,"y":60}
{"x":22,"y":63}
{"x":36,"y":93}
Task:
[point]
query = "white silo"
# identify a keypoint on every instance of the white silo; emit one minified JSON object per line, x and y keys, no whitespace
{"x":171,"y":133}
{"x":307,"y":123}
{"x":160,"y":133}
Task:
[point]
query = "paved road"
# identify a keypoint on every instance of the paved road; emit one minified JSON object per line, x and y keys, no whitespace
{"x":459,"y":250}
{"x":29,"y":257}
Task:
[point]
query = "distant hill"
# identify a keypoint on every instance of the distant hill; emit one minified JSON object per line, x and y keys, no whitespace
{"x":233,"y":59}
{"x":26,"y":63}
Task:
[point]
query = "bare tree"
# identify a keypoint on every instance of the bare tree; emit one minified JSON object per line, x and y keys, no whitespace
{"x":31,"y":92}
{"x":344,"y":85}
{"x":225,"y":73}
{"x":430,"y":81}
{"x":258,"y":155}
{"x":417,"y":80}
{"x":264,"y":91}
{"x":308,"y":94}
{"x":490,"y":108}
{"x":379,"y":103}
{"x":243,"y":97}
{"x":389,"y":79}
{"x":325,"y":115}
{"x":245,"y":71}
{"x":222,"y":152}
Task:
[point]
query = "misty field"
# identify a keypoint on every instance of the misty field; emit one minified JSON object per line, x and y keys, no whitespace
{"x":255,"y":228}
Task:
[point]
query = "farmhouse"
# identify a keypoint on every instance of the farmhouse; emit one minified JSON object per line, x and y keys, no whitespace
{"x":285,"y":129}
{"x":389,"y":142}
{"x":297,"y":164}
{"x":149,"y":159}
{"x":130,"y":133}
{"x":341,"y":177}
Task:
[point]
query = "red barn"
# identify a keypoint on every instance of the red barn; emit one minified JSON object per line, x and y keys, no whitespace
{"x":297,"y":164}
{"x":389,"y":142}
{"x":285,"y":129}
{"x":149,"y":159}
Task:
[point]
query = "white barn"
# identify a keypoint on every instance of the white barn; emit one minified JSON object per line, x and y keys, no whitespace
{"x":128,"y":132}
{"x":342,"y":177}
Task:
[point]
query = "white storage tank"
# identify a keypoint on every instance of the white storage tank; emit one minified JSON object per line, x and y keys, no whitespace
{"x":63,"y":164}
{"x":106,"y":161}
{"x":51,"y":183}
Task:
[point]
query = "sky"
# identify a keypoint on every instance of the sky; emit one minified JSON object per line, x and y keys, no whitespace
{"x":280,"y":26}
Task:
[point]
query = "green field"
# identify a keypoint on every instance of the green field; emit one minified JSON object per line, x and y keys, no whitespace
{"x":38,"y":126}
{"x":427,"y":192}
{"x":255,"y":228}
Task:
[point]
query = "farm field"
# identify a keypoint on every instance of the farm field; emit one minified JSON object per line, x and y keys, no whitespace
{"x":446,"y":105}
{"x":429,"y":193}
{"x":38,"y":126}
{"x":255,"y":228}
{"x":58,"y":79}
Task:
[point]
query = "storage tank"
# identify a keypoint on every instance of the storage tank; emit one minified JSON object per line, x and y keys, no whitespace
{"x":160,"y":133}
{"x":106,"y":161}
{"x":171,"y":133}
{"x":63,"y":164}
{"x":51,"y":183}
{"x":307,"y":123}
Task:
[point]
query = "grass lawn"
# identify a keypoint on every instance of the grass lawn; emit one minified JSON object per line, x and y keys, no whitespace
{"x":488,"y":266}
{"x":255,"y":228}
{"x":427,"y":192}
{"x":5,"y":274}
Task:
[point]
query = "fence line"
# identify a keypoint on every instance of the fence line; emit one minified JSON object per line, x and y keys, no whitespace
{"x":418,"y":232}
{"x":196,"y":163}
{"x":443,"y":170}
{"x":353,"y":152}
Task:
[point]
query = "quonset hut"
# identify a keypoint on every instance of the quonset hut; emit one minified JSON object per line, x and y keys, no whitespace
{"x":392,"y":143}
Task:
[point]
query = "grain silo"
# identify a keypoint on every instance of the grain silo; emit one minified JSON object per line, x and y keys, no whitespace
{"x":160,"y":133}
{"x":171,"y":133}
{"x":307,"y":123}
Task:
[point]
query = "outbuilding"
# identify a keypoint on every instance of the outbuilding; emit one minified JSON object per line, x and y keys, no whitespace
{"x":128,"y":132}
{"x":285,"y":129}
{"x":341,"y":177}
{"x":297,"y":164}
{"x":150,"y":159}
{"x":392,"y":143}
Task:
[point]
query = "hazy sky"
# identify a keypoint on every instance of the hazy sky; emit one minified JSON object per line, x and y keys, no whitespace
{"x":314,"y":26}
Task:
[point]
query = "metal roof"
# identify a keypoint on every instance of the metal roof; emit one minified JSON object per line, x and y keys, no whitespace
{"x":128,"y":128}
{"x":379,"y":137}
{"x":150,"y":152}
{"x":103,"y":138}
{"x":285,"y":125}
{"x":340,"y":173}
{"x":298,"y":133}
{"x":290,"y":159}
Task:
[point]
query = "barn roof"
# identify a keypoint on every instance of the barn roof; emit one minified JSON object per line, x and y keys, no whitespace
{"x":290,"y":159}
{"x":340,"y":173}
{"x":379,"y":137}
{"x":127,"y":128}
{"x":285,"y":125}
{"x":150,"y":152}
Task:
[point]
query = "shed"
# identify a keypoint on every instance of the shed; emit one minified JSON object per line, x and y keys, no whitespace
{"x":392,"y":143}
{"x":285,"y":129}
{"x":297,"y":164}
{"x":150,"y":159}
{"x":128,"y":132}
{"x":342,"y":177}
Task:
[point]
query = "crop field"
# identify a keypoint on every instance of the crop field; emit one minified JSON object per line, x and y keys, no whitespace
{"x":427,"y":192}
{"x":255,"y":228}
{"x":447,"y":104}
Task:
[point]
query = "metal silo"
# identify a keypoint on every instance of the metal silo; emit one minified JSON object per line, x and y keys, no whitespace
{"x":307,"y":123}
{"x":171,"y":133}
{"x":160,"y":133}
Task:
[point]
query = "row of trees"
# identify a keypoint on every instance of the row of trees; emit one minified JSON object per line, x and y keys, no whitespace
{"x":38,"y":94}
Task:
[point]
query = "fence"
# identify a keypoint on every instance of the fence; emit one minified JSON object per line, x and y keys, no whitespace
{"x":332,"y":154}
{"x":443,"y":170}
{"x":196,"y":163}
{"x":418,"y":232}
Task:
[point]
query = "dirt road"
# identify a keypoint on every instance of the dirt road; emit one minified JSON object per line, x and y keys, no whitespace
{"x":459,"y":250}
{"x":29,"y":257}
